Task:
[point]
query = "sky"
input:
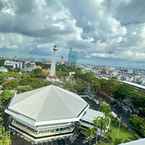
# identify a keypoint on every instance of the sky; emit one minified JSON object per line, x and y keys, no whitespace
{"x":105,"y":29}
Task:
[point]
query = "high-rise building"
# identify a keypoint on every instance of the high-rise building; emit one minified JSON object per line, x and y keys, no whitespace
{"x":72,"y":57}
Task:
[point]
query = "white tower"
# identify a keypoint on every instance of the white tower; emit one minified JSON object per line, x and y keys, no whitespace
{"x":53,"y":63}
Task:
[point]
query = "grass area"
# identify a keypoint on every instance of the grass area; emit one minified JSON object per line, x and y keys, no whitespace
{"x":4,"y":137}
{"x":122,"y":134}
{"x":5,"y":140}
{"x":119,"y":135}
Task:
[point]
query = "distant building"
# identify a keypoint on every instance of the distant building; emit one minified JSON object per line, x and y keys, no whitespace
{"x":29,"y":66}
{"x":47,"y":114}
{"x":72,"y":57}
{"x":3,"y":69}
{"x":62,"y":61}
{"x":12,"y":64}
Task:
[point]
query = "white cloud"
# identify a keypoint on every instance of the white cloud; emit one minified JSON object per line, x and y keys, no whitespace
{"x":95,"y":28}
{"x":13,"y":41}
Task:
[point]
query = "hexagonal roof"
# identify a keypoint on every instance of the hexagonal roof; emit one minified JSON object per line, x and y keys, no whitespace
{"x":46,"y":105}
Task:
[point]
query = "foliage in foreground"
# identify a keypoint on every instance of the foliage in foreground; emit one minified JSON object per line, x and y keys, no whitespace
{"x":116,"y":134}
{"x":4,"y":137}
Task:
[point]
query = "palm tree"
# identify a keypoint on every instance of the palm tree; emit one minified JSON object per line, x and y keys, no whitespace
{"x":101,"y":124}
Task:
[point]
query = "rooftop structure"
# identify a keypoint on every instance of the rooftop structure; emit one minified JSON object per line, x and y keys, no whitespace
{"x":87,"y":119}
{"x":45,"y":114}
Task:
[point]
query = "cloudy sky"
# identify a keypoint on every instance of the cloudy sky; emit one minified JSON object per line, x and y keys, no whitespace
{"x":108,"y":29}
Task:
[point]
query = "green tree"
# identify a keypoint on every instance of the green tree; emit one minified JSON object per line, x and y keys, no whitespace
{"x":1,"y":115}
{"x":36,"y":72}
{"x":33,"y":82}
{"x":39,"y":73}
{"x":98,"y":131}
{"x":80,"y":86}
{"x":10,"y":84}
{"x":69,"y":86}
{"x":123,"y":92}
{"x":138,"y":99}
{"x":105,"y":108}
{"x":138,"y":124}
{"x":102,"y":125}
{"x":5,"y":97}
{"x":3,"y":76}
{"x":95,"y":86}
{"x":108,"y":87}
